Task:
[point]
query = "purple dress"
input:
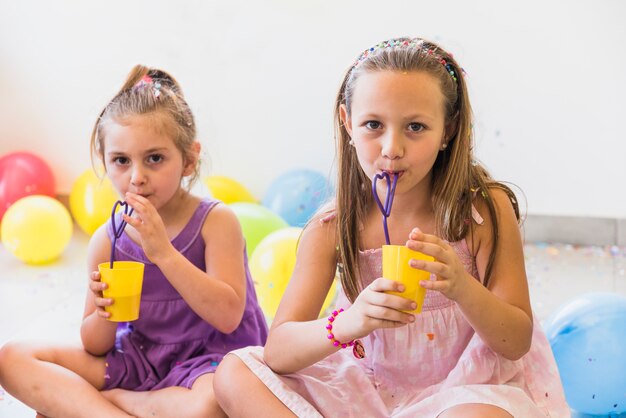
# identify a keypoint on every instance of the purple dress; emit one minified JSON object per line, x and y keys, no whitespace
{"x":170,"y":345}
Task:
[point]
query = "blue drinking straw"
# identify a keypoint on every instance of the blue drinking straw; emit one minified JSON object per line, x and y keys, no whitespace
{"x":391,"y":190}
{"x":118,"y":230}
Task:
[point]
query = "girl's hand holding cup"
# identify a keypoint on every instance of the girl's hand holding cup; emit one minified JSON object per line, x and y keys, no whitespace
{"x":374,"y":309}
{"x":446,"y":265}
{"x":97,"y":287}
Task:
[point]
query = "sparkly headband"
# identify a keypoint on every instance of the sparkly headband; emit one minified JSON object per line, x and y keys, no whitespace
{"x":405,"y":43}
{"x":147,"y":81}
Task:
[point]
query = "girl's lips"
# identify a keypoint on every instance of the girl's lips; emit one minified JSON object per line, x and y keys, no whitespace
{"x":393,"y":173}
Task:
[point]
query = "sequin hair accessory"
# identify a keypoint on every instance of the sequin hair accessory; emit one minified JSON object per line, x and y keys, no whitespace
{"x":147,"y":82}
{"x":416,"y":43}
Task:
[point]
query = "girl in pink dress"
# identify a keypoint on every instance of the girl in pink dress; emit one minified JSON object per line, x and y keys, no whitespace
{"x":475,"y":350}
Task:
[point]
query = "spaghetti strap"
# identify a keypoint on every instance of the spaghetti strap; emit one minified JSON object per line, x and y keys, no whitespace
{"x":476,"y":216}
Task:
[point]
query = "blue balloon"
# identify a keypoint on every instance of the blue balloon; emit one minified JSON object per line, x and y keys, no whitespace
{"x":296,"y":195}
{"x":588,"y":338}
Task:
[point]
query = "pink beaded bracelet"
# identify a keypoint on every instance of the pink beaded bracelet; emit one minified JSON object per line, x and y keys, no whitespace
{"x":357,"y":347}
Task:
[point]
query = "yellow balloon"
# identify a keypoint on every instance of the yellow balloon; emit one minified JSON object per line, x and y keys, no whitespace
{"x":271,"y":266}
{"x":91,"y":201}
{"x":228,"y":190}
{"x":36,"y":229}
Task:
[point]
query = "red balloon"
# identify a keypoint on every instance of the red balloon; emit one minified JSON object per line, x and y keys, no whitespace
{"x":23,"y":174}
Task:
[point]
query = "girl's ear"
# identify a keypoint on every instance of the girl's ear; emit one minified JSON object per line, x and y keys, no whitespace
{"x":191,"y":159}
{"x":345,"y":119}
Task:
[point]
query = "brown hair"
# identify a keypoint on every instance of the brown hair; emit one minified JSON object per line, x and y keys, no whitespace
{"x":456,"y":175}
{"x":153,"y":92}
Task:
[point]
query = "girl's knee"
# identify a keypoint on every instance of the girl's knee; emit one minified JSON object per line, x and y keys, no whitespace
{"x":6,"y":352}
{"x":208,"y":407}
{"x":14,"y":350}
{"x":475,"y":410}
{"x":204,"y":405}
{"x":203,"y":399}
{"x":13,"y":354}
{"x":228,"y":377}
{"x":19,"y":350}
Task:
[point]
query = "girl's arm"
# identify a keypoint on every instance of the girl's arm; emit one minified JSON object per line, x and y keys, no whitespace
{"x":297,"y":338}
{"x":217,"y":295}
{"x":97,"y":334}
{"x":500,"y":314}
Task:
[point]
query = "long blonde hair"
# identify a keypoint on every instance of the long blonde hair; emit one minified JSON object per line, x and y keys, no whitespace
{"x":456,"y":175}
{"x":154,"y":92}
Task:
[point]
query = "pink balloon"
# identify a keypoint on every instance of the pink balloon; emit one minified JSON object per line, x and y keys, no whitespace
{"x":23,"y":174}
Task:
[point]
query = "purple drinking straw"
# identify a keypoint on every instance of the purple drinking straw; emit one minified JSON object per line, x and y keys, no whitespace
{"x":391,"y":190}
{"x":117,"y":231}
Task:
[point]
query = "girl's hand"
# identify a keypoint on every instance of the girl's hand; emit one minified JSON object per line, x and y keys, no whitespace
{"x":375,"y":309}
{"x":452,"y":278}
{"x":96,"y":286}
{"x":148,"y":223}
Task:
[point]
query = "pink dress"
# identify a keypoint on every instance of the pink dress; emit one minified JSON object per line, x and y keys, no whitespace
{"x":419,"y":370}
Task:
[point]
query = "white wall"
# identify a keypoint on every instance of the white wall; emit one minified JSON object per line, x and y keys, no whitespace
{"x":547,"y":79}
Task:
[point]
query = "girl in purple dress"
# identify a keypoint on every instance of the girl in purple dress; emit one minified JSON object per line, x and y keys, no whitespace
{"x":198,"y":300}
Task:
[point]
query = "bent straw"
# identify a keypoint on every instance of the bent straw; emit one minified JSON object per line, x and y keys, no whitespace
{"x":118,"y":230}
{"x":391,"y":190}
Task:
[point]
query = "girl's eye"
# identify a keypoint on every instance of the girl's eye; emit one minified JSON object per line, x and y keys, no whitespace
{"x":372,"y":124}
{"x":120,"y":160}
{"x":155,"y":158}
{"x":416,"y":127}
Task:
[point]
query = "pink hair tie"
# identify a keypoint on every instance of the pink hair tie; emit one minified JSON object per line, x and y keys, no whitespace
{"x":143,"y":81}
{"x":147,"y":81}
{"x":357,"y":347}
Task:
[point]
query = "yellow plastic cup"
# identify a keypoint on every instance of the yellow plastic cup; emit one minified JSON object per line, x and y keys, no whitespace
{"x":125,"y":280}
{"x":396,"y":267}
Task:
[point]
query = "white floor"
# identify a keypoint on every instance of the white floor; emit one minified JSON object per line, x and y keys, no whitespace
{"x":46,"y":302}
